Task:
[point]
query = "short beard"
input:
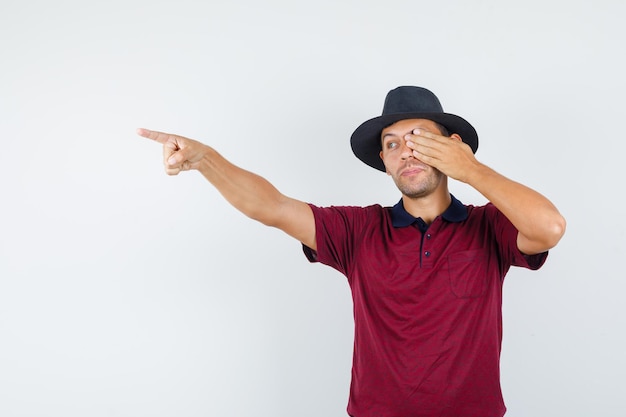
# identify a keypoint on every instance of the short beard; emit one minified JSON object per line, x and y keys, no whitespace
{"x":424,"y":188}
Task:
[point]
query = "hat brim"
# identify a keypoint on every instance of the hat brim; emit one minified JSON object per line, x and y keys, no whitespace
{"x":366,"y":139}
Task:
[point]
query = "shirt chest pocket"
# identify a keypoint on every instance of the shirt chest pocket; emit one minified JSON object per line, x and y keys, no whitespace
{"x":467,"y":272}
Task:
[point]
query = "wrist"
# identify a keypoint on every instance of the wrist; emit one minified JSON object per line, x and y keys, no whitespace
{"x":475,"y":174}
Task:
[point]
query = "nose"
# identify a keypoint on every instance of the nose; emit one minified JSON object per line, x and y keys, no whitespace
{"x":406,"y":152}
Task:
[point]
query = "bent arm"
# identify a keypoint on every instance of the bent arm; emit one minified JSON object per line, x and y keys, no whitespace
{"x":249,"y":193}
{"x":540,"y":225}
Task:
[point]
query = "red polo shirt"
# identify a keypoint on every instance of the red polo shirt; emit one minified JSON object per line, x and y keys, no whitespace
{"x":427,"y":305}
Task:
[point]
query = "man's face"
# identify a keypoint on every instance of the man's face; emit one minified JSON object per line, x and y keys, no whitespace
{"x":412,"y":177}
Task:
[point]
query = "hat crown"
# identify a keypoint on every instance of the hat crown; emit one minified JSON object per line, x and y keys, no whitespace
{"x":409,"y":99}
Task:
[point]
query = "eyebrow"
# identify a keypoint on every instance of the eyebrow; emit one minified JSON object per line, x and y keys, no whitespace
{"x":387,"y":134}
{"x":410,"y":131}
{"x":399,"y":135}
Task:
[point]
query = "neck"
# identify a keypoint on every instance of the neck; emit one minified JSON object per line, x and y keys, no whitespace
{"x":428,"y":207}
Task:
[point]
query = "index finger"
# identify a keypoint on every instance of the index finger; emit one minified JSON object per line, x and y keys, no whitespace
{"x":160,"y":137}
{"x":426,"y":137}
{"x":427,"y":133}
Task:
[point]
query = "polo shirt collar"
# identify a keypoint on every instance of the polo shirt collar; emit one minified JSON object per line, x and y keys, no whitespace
{"x":455,"y":213}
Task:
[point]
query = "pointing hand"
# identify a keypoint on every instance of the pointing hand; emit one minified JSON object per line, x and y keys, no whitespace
{"x":179,"y":153}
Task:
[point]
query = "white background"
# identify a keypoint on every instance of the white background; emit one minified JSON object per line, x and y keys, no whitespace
{"x":125,"y":292}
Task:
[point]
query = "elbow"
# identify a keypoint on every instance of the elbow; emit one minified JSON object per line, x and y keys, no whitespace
{"x":555,"y":231}
{"x":546,"y":237}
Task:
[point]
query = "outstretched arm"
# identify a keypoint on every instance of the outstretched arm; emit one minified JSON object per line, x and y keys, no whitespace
{"x":247,"y":192}
{"x":539,"y":223}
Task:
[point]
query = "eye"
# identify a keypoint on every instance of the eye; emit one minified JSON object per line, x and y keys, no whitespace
{"x":391,"y":145}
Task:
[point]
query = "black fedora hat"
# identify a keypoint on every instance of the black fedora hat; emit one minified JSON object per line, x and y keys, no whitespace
{"x":402,"y":103}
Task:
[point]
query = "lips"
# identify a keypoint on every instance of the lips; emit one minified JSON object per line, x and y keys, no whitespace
{"x":411,"y":170}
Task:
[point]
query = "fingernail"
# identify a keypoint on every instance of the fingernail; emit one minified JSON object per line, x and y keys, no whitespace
{"x":171,"y":161}
{"x":416,"y":131}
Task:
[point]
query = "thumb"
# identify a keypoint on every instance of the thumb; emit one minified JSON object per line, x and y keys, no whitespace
{"x":173,"y":153}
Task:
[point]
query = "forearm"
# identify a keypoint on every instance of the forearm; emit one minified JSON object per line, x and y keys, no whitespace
{"x":247,"y":192}
{"x":539,"y":223}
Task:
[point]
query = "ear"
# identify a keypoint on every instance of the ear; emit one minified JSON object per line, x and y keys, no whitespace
{"x":456,"y":136}
{"x":381,"y":157}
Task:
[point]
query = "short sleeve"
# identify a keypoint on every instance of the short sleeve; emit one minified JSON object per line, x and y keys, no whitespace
{"x":338,"y":233}
{"x":506,"y":235}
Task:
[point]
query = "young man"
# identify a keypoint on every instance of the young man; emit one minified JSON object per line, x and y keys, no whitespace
{"x":426,"y":275}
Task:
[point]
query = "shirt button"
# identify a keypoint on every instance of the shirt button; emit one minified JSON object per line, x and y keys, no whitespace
{"x":427,"y":254}
{"x":428,"y":236}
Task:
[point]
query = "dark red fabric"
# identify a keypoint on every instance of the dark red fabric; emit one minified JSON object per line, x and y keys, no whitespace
{"x":427,"y":307}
